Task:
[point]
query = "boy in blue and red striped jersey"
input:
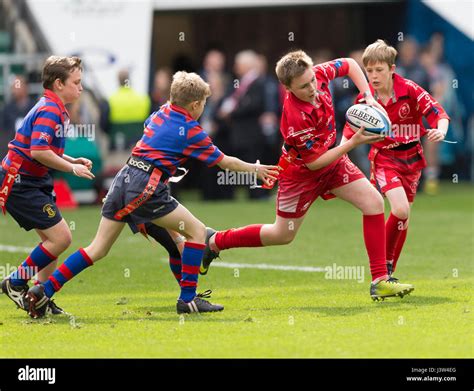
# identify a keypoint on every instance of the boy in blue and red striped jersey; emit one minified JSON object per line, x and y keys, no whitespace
{"x":140,"y":194}
{"x":26,"y":186}
{"x":398,"y":160}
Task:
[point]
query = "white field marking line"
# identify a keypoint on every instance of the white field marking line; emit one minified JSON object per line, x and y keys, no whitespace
{"x":227,"y":265}
{"x":265,"y":266}
{"x":15,"y":249}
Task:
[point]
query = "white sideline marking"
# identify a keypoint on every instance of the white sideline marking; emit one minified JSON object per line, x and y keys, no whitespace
{"x":265,"y":266}
{"x":228,"y":265}
{"x":15,"y":249}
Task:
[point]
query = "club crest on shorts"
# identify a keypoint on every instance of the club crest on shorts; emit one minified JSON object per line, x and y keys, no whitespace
{"x":49,"y":210}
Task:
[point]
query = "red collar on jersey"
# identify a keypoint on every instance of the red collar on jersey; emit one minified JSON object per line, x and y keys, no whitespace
{"x":55,"y":98}
{"x":399,"y":86}
{"x":300,"y":104}
{"x":182,"y":110}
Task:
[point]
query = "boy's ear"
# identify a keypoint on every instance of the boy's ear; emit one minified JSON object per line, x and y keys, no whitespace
{"x":58,"y":84}
{"x":392,"y":68}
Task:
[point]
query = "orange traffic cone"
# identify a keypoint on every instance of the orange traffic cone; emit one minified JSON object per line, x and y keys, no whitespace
{"x":64,"y":197}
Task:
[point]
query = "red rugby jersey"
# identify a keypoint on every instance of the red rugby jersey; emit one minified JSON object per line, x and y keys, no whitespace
{"x":310,"y":128}
{"x":405,"y":109}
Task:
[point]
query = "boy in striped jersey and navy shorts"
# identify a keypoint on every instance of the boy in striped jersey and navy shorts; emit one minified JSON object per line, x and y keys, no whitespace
{"x":26,"y":185}
{"x":140,"y":195}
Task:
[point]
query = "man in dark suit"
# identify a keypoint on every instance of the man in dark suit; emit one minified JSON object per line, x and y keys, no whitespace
{"x":243,"y":109}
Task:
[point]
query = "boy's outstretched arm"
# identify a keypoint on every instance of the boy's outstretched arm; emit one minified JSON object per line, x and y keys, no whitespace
{"x":264,"y":173}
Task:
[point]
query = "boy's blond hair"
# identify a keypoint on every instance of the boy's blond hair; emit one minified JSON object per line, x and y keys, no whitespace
{"x":56,"y":67}
{"x":379,"y":51}
{"x":188,"y":87}
{"x":292,"y":65}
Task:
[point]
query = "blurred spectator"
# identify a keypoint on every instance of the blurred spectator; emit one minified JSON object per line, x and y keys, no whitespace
{"x":344,"y":92}
{"x":243,"y":109}
{"x":161,"y":88}
{"x":321,"y":55}
{"x":270,"y":119}
{"x":218,"y":129}
{"x":128,"y":111}
{"x":214,"y":62}
{"x":441,"y":77}
{"x":408,"y":65}
{"x":14,"y":112}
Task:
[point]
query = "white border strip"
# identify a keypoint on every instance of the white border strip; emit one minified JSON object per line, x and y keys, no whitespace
{"x":264,"y":266}
{"x":15,"y":249}
{"x":227,"y":265}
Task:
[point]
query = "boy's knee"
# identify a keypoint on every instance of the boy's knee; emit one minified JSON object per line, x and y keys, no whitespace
{"x":286,"y":237}
{"x":198,"y":234}
{"x":373,"y":205}
{"x":64,"y":240}
{"x":401,"y":211}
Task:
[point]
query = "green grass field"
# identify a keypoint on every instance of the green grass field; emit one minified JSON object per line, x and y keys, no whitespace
{"x":269,"y":313}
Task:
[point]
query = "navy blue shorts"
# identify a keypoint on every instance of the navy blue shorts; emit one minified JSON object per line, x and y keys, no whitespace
{"x":32,"y":202}
{"x":128,"y":184}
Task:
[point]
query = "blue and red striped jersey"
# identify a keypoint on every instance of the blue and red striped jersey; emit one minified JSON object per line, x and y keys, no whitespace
{"x":44,"y":127}
{"x":171,"y":136}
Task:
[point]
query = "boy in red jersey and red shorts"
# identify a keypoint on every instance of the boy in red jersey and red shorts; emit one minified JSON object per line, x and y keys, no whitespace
{"x":320,"y":168}
{"x":397,"y":161}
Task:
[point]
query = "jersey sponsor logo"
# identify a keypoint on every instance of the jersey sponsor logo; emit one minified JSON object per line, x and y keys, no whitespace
{"x":292,"y":132}
{"x":306,"y":137}
{"x":393,"y":145}
{"x":329,"y":120}
{"x":404,"y":110}
{"x":49,"y":210}
{"x":139,"y":164}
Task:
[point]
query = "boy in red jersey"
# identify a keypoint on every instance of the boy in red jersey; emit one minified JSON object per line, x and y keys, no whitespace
{"x":140,"y":195}
{"x":320,"y":169}
{"x":398,"y":160}
{"x":26,"y":185}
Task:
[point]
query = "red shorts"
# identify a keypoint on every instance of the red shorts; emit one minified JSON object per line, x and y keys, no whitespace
{"x":296,"y":196}
{"x":399,"y":169}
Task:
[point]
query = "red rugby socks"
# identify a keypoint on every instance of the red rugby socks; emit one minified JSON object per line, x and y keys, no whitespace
{"x":398,"y":248}
{"x":374,"y":238}
{"x":248,"y":236}
{"x":395,"y":237}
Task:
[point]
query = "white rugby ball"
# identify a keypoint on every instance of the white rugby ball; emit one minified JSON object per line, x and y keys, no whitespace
{"x":371,"y":118}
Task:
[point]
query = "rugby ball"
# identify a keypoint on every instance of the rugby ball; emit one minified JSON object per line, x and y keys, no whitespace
{"x":371,"y":118}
